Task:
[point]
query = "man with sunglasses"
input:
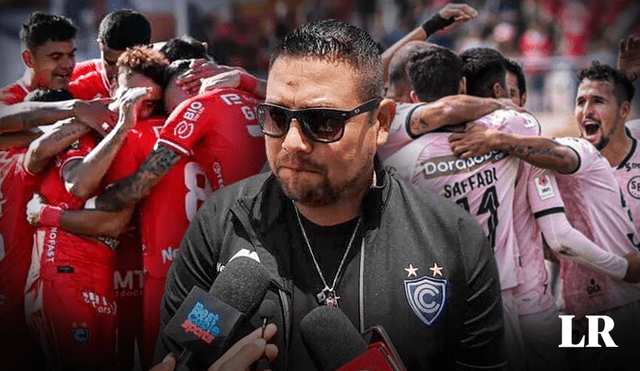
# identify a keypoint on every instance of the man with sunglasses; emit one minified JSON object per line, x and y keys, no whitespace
{"x":334,"y":229}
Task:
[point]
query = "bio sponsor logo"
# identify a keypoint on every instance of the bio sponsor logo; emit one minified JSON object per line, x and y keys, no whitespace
{"x":593,"y":332}
{"x":194,"y":111}
{"x":202,"y":323}
{"x":183,"y":130}
{"x":449,"y":165}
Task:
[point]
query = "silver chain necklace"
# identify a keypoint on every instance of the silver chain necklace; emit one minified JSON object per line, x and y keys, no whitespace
{"x":328,"y":294}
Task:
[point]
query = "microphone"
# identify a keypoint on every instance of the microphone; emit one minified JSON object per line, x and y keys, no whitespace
{"x":207,"y":323}
{"x":266,"y":311}
{"x":335,"y":344}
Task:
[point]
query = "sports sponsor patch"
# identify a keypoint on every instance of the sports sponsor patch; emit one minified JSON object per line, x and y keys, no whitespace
{"x":183,"y":130}
{"x":80,"y":335}
{"x":544,"y":187}
{"x":427,"y":297}
{"x":633,"y":187}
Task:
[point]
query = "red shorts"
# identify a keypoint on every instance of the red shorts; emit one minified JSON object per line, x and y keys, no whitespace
{"x":70,"y":306}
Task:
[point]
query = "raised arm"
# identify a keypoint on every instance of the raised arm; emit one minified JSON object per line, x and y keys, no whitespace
{"x":541,"y":152}
{"x":450,"y":14}
{"x":629,"y":57}
{"x":26,"y":115}
{"x":451,"y":110}
{"x":61,"y":136}
{"x":83,"y":177}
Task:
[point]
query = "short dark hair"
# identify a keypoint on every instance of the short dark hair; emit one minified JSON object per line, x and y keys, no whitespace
{"x":398,"y":74}
{"x":145,"y":60}
{"x":623,"y":88}
{"x":48,"y":95}
{"x":336,"y":41}
{"x":516,"y":69}
{"x":41,"y":27}
{"x":186,"y":47}
{"x":176,"y":68}
{"x":124,"y":29}
{"x":435,"y":73}
{"x":483,"y":68}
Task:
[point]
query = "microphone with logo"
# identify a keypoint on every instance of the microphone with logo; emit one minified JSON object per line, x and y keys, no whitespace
{"x":208,"y":323}
{"x":335,"y":344}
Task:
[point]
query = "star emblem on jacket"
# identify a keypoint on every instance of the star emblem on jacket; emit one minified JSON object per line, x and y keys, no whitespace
{"x":411,"y":271}
{"x":435,"y":270}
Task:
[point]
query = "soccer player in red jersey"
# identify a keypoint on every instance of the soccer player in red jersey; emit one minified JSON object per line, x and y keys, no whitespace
{"x":48,"y":54}
{"x":117,"y":32}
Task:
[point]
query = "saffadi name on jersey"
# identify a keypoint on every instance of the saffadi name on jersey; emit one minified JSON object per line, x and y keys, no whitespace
{"x":593,"y":340}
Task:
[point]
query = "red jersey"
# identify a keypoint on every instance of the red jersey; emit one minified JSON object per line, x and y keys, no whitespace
{"x":14,"y":93}
{"x":17,"y":187}
{"x":89,"y":81}
{"x":175,"y":198}
{"x":221,"y":130}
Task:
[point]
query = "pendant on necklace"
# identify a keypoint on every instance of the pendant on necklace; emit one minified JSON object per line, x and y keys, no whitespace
{"x":328,"y":297}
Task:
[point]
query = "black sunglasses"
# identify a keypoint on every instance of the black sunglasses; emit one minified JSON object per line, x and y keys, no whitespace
{"x":324,"y":125}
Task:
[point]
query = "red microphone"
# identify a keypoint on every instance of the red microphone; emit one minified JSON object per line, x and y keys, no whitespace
{"x":335,"y":344}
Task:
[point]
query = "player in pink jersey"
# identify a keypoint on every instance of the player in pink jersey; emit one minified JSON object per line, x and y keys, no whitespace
{"x":595,"y":206}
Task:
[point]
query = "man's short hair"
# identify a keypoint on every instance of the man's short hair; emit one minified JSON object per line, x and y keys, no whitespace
{"x":41,"y":27}
{"x":176,"y":68}
{"x":398,"y":73}
{"x":144,"y":60}
{"x":124,"y":29}
{"x":623,"y":88}
{"x":483,"y":68}
{"x":336,"y":41}
{"x":48,"y":95}
{"x":435,"y":73}
{"x":186,"y":47}
{"x":516,"y":69}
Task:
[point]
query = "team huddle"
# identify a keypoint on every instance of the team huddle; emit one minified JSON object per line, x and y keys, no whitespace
{"x":105,"y":164}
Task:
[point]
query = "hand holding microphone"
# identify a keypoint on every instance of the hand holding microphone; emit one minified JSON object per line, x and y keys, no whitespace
{"x":208,"y":323}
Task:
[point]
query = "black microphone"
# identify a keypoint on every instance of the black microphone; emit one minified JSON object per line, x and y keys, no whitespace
{"x":207,"y":323}
{"x":335,"y":344}
{"x":266,"y":312}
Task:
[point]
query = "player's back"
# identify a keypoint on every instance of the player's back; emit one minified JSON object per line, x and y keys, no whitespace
{"x":627,"y":173}
{"x":221,"y":130}
{"x":483,"y":185}
{"x":596,"y":207}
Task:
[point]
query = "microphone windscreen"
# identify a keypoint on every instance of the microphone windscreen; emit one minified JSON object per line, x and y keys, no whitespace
{"x":242,"y":284}
{"x":330,"y":338}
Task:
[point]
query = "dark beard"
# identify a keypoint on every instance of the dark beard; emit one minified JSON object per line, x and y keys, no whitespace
{"x":602,"y":143}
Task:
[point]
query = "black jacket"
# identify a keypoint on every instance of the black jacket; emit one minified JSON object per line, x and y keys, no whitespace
{"x":403,"y":225}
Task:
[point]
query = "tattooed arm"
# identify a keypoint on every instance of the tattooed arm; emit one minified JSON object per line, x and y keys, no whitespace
{"x":137,"y":186}
{"x":83,"y":177}
{"x":451,"y":110}
{"x":541,"y":152}
{"x":27,"y":115}
{"x":61,"y":136}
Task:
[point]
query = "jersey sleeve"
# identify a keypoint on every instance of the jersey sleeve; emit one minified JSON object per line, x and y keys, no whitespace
{"x":76,"y":151}
{"x":84,"y":68}
{"x":187,"y":124}
{"x":399,"y":133}
{"x":511,"y":122}
{"x":542,"y":191}
{"x":127,"y":160}
{"x":88,"y":86}
{"x":588,"y":155}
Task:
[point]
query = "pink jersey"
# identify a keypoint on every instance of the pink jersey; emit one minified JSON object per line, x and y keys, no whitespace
{"x":628,"y":173}
{"x":399,"y":135}
{"x":89,"y":81}
{"x":536,"y":195}
{"x":221,"y":130}
{"x":482,"y":185}
{"x":595,"y":207}
{"x":14,"y":93}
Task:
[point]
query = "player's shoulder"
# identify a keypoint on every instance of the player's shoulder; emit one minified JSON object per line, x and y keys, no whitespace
{"x":511,"y":121}
{"x":633,"y":127}
{"x":12,"y":94}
